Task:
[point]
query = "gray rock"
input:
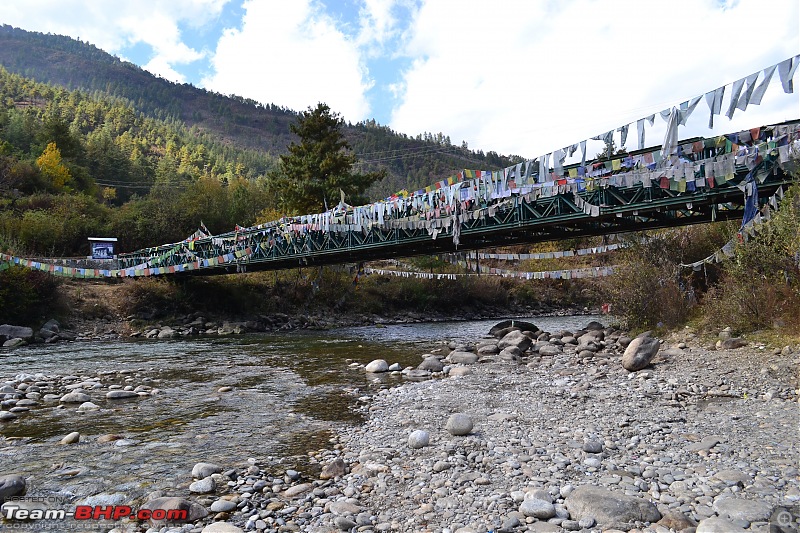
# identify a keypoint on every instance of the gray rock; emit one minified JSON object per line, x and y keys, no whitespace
{"x":51,"y":325}
{"x":718,"y":525}
{"x":297,"y":490}
{"x":204,"y":470}
{"x":515,"y":338}
{"x":7,"y":416}
{"x":334,"y":469}
{"x":640,"y":352}
{"x":344,"y":508}
{"x":88,"y":406}
{"x":167,"y":333}
{"x":459,"y":424}
{"x":741,"y":509}
{"x":466,"y":358}
{"x":222,"y":506}
{"x":11,"y":485}
{"x":488,"y":349}
{"x":395,"y":367}
{"x":13,"y":343}
{"x":593,"y":446}
{"x":377,"y":366}
{"x":510,"y":353}
{"x":733,"y":343}
{"x":705,"y":444}
{"x":195,"y":511}
{"x":431,"y":364}
{"x":72,"y":438}
{"x":203,"y":486}
{"x":537,"y":508}
{"x":418,"y":439}
{"x":16,"y":332}
{"x":344,"y":523}
{"x":75,"y":397}
{"x":609,"y":508}
{"x":594,"y":325}
{"x":549,"y":350}
{"x":121,"y":394}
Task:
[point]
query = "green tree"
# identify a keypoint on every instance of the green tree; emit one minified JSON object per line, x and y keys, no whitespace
{"x":314,"y":171}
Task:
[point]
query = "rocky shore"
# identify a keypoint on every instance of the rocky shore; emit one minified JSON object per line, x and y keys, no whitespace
{"x":528,"y":431}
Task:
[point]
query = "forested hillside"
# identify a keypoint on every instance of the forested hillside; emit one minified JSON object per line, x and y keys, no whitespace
{"x":230,"y":120}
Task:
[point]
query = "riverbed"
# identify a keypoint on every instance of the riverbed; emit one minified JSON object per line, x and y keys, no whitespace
{"x":224,"y":400}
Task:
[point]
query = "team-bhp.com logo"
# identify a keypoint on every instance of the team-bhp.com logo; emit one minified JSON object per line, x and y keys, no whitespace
{"x":96,"y":512}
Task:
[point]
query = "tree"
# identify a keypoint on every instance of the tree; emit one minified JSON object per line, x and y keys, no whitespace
{"x":313,"y":172}
{"x":50,"y":165}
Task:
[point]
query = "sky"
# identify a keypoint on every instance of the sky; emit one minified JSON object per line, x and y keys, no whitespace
{"x":522,"y":77}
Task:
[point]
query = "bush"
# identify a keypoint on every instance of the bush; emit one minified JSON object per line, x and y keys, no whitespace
{"x":760,"y":284}
{"x":26,"y":296}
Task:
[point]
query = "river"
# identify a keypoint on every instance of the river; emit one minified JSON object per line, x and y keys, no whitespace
{"x":289,"y":393}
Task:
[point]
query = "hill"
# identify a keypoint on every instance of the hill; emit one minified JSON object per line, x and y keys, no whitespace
{"x":231,"y":120}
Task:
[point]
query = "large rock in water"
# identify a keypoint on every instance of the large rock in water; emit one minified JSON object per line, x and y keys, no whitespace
{"x":609,"y":509}
{"x":377,"y":366}
{"x":640,"y":352}
{"x":15,"y":332}
{"x":11,"y":485}
{"x":519,"y":324}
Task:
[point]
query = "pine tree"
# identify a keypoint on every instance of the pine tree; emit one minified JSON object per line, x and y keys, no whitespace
{"x":314,"y":171}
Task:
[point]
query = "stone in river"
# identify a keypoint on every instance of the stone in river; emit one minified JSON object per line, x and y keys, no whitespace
{"x":121,"y":394}
{"x":378,"y":365}
{"x":72,"y":438}
{"x":459,"y":424}
{"x":203,"y":486}
{"x":741,"y":509}
{"x":718,"y":525}
{"x":11,"y":485}
{"x":204,"y":470}
{"x":75,"y":397}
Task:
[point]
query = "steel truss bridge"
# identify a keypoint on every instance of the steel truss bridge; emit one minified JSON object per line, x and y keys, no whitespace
{"x":509,"y":221}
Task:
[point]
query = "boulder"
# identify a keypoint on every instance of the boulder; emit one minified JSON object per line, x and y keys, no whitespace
{"x":120,"y":394}
{"x":740,"y":509}
{"x":418,"y":439}
{"x":466,"y":358}
{"x":16,"y":332}
{"x":204,"y":470}
{"x":459,"y":424}
{"x":222,"y":527}
{"x":51,"y":325}
{"x":718,"y":525}
{"x":537,"y":508}
{"x":515,"y":338}
{"x":11,"y":485}
{"x":732,"y":343}
{"x":549,"y":350}
{"x":194,"y":511}
{"x":13,"y":343}
{"x":594,"y":325}
{"x":609,"y":508}
{"x":431,"y":364}
{"x":376,"y":366}
{"x":333,"y":469}
{"x":519,"y":324}
{"x":75,"y":397}
{"x":640,"y":352}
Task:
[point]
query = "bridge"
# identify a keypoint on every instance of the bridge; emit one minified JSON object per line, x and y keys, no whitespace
{"x":706,"y":179}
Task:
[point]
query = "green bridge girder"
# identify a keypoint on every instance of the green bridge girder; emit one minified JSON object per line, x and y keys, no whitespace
{"x":623,"y":209}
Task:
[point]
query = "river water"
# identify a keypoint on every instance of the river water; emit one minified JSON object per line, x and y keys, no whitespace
{"x":290,"y":393}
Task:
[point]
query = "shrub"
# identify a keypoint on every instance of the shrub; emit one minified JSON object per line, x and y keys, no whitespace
{"x":26,"y":296}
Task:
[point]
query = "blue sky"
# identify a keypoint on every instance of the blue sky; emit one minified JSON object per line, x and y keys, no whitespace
{"x":521,"y":77}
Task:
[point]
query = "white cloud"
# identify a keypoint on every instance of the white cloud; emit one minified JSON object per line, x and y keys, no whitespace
{"x":291,"y":54}
{"x":529,"y":77}
{"x":113,"y":26}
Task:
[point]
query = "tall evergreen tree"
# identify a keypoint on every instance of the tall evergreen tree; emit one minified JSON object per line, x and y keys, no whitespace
{"x":314,"y":171}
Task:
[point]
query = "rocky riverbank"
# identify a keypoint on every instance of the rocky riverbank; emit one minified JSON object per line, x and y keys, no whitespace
{"x":533,"y":431}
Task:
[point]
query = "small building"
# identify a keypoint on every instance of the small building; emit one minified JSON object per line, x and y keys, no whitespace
{"x":102,"y":247}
